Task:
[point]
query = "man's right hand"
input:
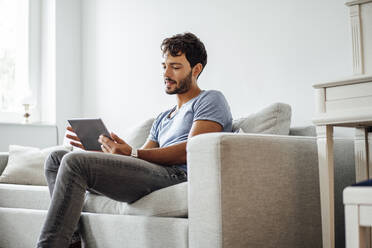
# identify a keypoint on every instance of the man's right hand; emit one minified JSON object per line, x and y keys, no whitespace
{"x":76,"y":141}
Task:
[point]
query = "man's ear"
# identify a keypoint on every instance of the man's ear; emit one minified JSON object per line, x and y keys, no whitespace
{"x":197,"y":69}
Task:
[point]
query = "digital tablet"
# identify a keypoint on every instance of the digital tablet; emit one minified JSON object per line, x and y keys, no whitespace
{"x":88,"y":131}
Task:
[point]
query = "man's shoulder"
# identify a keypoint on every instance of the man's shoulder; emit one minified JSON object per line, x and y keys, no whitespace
{"x":213,"y":93}
{"x":211,"y":96}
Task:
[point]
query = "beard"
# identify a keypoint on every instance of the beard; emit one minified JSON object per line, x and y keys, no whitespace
{"x":184,"y":85}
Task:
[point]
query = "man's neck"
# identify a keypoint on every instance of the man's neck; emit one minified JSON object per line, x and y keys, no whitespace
{"x":185,"y":97}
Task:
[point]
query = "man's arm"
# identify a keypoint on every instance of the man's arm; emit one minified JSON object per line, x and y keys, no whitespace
{"x":176,"y":154}
{"x":150,"y":144}
{"x":170,"y":155}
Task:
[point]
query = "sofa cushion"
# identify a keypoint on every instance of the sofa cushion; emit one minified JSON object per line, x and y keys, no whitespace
{"x":3,"y":161}
{"x":20,"y":228}
{"x":167,"y":202}
{"x":137,"y":135}
{"x":24,"y":196}
{"x":274,"y":119}
{"x":26,"y":165}
{"x":303,"y":131}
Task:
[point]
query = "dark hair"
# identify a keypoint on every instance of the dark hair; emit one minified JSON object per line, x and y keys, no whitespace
{"x":188,"y":44}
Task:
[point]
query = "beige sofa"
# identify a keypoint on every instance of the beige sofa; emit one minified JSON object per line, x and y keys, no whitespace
{"x":243,"y":190}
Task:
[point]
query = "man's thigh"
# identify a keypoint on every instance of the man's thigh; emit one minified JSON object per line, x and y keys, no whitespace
{"x":120,"y":177}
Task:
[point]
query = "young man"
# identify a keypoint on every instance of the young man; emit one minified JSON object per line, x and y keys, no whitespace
{"x":127,"y":174}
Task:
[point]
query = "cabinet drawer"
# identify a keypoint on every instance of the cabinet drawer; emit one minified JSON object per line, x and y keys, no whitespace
{"x":349,"y":91}
{"x":344,"y":97}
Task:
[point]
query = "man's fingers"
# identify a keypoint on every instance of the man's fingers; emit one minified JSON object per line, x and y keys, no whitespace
{"x":104,"y":149}
{"x":106,"y":141}
{"x":105,"y":145}
{"x":77,"y":145}
{"x":70,"y":129}
{"x":117,"y":139}
{"x":73,"y":137}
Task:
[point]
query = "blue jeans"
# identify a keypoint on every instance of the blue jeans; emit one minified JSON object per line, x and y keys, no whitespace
{"x":70,"y":174}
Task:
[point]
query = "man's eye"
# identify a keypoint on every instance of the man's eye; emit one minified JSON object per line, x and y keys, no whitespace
{"x":176,"y":68}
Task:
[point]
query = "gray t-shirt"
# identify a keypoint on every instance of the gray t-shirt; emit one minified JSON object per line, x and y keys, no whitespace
{"x":208,"y":105}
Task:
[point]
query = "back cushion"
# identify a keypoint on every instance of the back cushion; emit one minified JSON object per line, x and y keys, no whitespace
{"x":274,"y":119}
{"x":303,"y":131}
{"x":137,"y":136}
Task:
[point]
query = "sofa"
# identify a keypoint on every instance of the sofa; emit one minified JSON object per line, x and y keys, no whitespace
{"x":243,"y":190}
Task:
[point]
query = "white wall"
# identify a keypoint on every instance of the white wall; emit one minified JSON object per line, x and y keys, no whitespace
{"x":259,"y":52}
{"x":68,"y":62}
{"x":60,"y":62}
{"x":47,"y":84}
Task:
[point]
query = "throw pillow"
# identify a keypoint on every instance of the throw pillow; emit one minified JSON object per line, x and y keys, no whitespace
{"x":26,"y":165}
{"x":274,"y":119}
{"x":137,"y":135}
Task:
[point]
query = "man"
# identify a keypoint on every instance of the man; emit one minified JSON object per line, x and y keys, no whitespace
{"x":127,"y":174}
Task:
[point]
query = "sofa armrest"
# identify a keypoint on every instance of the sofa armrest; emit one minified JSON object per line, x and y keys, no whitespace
{"x":252,"y":190}
{"x":3,"y":161}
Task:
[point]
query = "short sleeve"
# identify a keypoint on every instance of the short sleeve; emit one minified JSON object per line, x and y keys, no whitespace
{"x":214,"y":107}
{"x":154,"y":132}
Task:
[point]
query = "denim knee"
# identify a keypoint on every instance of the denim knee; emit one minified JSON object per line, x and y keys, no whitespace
{"x":72,"y":162}
{"x":53,"y":160}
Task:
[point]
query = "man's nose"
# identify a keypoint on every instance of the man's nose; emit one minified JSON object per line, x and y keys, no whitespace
{"x":167,"y":73}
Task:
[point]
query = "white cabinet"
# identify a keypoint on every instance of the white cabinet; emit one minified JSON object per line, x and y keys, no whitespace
{"x":347,"y":103}
{"x":361,"y":33}
{"x":37,"y":135}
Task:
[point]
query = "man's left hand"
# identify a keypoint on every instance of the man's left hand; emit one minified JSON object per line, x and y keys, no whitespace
{"x":114,"y":146}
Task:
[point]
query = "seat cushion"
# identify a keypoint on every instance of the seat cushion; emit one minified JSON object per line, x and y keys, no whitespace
{"x":20,"y":228}
{"x":167,"y":202}
{"x":24,"y":196}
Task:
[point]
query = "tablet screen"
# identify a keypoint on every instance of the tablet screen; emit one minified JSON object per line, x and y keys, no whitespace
{"x":88,"y":131}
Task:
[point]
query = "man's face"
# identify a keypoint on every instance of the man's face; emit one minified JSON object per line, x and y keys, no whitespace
{"x":177,"y":74}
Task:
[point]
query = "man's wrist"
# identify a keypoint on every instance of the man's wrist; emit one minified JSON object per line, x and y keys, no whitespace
{"x":134,"y":152}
